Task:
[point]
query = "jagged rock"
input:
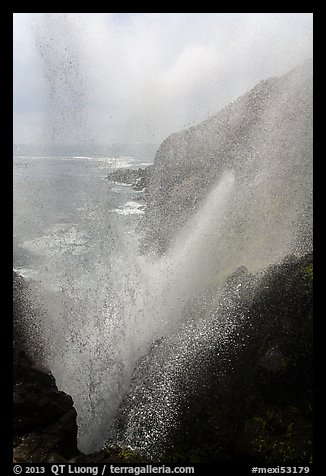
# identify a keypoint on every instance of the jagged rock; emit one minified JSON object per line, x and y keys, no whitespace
{"x":250,"y":401}
{"x":272,"y":360}
{"x":262,"y":413}
{"x":44,"y":418}
{"x":239,"y":383}
{"x":44,"y":425}
{"x":265,"y":138}
{"x":138,"y":178}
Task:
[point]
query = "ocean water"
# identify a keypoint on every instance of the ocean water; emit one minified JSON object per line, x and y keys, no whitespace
{"x":75,"y":240}
{"x":65,"y":210}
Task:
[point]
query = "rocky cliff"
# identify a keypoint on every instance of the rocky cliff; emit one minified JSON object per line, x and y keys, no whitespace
{"x":44,"y":418}
{"x":44,"y":425}
{"x":265,"y":139}
{"x":234,"y":381}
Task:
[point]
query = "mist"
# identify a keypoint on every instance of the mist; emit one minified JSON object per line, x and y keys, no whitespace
{"x":108,"y":78}
{"x":170,"y":299}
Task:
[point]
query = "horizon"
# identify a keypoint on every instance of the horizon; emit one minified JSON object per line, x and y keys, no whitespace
{"x":85,"y":150}
{"x":136,"y":78}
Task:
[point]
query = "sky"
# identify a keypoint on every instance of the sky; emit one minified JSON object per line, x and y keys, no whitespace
{"x":105,"y":78}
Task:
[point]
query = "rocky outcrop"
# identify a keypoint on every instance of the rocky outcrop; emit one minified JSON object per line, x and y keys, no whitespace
{"x":245,"y":398}
{"x":234,"y":382}
{"x":44,"y":424}
{"x":138,"y":178}
{"x":44,"y":418}
{"x":262,"y":413}
{"x":265,"y":138}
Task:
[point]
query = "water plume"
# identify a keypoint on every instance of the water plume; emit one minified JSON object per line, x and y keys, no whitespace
{"x":103,"y":303}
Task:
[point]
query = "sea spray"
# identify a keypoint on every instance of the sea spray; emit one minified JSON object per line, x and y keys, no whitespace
{"x":147,"y":305}
{"x":98,"y":319}
{"x":102,"y":302}
{"x":169,"y":281}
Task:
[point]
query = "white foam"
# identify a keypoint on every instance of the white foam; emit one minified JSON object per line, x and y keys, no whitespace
{"x":59,"y":239}
{"x":130,"y":208}
{"x":26,"y":273}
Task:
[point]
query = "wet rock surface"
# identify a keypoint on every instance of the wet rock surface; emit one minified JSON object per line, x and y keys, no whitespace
{"x":44,"y":418}
{"x":258,"y":409}
{"x":262,"y":411}
{"x":234,"y":383}
{"x":239,"y":388}
{"x":264,"y":137}
{"x":138,"y":178}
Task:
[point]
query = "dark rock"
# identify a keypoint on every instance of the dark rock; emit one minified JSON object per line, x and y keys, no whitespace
{"x":240,"y":376}
{"x":44,"y":418}
{"x":249,"y":401}
{"x":44,"y":426}
{"x":272,"y":360}
{"x":270,"y":124}
{"x":262,"y":412}
{"x":138,"y":178}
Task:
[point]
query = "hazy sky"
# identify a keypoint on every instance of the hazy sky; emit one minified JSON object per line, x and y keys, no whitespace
{"x":137,"y":77}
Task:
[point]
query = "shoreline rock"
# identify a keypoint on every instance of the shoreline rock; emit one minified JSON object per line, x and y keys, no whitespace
{"x":263,"y":414}
{"x":245,"y":398}
{"x":264,"y":137}
{"x":138,"y":178}
{"x":44,"y":418}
